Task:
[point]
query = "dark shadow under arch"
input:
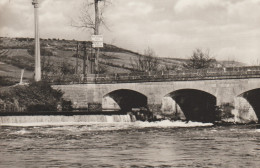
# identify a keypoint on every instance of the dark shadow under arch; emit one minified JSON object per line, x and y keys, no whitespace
{"x":196,"y":105}
{"x":128,"y":99}
{"x":253,"y":98}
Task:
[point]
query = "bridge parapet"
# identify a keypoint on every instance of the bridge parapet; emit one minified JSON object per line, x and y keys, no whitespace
{"x":159,"y":76}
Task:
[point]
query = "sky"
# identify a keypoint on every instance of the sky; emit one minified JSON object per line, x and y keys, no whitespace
{"x":230,"y":29}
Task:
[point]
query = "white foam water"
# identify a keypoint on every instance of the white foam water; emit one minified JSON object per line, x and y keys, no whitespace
{"x":167,"y":123}
{"x":94,"y":122}
{"x":62,"y":120}
{"x":21,"y":132}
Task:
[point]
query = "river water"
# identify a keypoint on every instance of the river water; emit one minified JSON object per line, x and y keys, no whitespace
{"x":121,"y":143}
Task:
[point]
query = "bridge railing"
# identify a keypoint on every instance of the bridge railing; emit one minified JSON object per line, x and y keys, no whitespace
{"x":202,"y":74}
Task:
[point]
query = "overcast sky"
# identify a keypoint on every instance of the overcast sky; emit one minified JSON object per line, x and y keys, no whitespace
{"x":230,"y":29}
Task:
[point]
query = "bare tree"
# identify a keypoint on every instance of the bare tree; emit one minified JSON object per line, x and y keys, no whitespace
{"x":200,"y":60}
{"x":48,"y":67}
{"x":90,"y":19}
{"x":147,"y":62}
{"x":255,"y":62}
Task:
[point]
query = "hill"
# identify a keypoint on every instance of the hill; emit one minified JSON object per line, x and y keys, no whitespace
{"x":18,"y":53}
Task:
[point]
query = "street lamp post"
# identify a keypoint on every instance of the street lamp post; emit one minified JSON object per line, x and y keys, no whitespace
{"x":37,"y":72}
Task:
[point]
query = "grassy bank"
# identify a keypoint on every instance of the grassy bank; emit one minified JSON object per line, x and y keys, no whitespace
{"x":35,"y":97}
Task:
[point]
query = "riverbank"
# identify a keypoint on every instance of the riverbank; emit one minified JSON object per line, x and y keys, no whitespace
{"x":32,"y":98}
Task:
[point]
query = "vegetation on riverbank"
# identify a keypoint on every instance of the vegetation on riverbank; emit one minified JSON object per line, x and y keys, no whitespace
{"x":35,"y":97}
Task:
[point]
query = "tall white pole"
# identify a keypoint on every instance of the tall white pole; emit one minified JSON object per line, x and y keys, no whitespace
{"x":37,"y":72}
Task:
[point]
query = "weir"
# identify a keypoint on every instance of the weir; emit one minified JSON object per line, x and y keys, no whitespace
{"x":50,"y":119}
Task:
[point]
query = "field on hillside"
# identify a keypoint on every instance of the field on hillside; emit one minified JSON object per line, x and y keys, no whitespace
{"x":18,"y":53}
{"x":116,"y":60}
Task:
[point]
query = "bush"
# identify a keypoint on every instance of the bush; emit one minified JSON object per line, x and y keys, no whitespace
{"x":44,"y":51}
{"x":200,"y":60}
{"x":224,"y":111}
{"x":38,"y":96}
{"x":66,"y":105}
{"x":7,"y":81}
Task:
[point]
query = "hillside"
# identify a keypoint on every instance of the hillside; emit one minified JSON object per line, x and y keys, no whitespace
{"x":18,"y":53}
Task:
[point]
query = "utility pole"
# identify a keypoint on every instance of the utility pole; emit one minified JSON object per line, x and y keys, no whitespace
{"x":92,"y":61}
{"x":84,"y":58}
{"x":88,"y":62}
{"x":77,"y":59}
{"x":96,"y":32}
{"x":37,"y":72}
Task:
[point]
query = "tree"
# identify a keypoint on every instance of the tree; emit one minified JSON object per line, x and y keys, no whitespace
{"x":200,"y":60}
{"x":255,"y":62}
{"x":66,"y":68}
{"x":102,"y":69}
{"x":90,"y":19}
{"x":147,"y":62}
{"x":48,"y":67}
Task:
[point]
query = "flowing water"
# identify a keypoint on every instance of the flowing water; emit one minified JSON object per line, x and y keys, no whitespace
{"x":115,"y":141}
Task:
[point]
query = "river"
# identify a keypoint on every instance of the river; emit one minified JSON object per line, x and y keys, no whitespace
{"x":121,"y":143}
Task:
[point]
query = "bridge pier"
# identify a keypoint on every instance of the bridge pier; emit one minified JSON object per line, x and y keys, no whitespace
{"x":80,"y":95}
{"x":154,"y":108}
{"x":171,"y":107}
{"x":243,"y":111}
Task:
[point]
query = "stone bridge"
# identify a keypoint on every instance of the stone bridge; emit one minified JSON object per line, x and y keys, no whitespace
{"x":196,"y":97}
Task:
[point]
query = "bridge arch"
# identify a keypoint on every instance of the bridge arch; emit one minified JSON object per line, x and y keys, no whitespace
{"x":127,"y":99}
{"x":196,"y":105}
{"x":247,"y":105}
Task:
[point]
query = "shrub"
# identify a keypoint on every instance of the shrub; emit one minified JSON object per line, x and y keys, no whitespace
{"x":200,"y":60}
{"x":7,"y":81}
{"x":38,"y":96}
{"x":44,"y":51}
